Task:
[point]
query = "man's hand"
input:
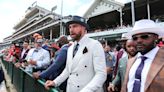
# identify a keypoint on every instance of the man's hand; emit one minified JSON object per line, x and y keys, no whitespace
{"x":24,"y":64}
{"x":109,"y":70}
{"x":32,"y":62}
{"x":36,"y":75}
{"x":111,"y":88}
{"x":48,"y":84}
{"x":17,"y":65}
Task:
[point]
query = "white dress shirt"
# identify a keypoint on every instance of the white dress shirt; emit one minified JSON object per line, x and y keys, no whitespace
{"x":24,"y":50}
{"x":41,"y":56}
{"x":150,"y":57}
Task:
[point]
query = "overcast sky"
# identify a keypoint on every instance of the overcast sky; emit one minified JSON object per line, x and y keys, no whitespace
{"x":12,"y":11}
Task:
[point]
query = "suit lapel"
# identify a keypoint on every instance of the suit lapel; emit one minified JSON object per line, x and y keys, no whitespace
{"x":25,"y":54}
{"x":156,"y":65}
{"x":69,"y":57}
{"x":77,"y":57}
{"x":74,"y":61}
{"x":129,"y":65}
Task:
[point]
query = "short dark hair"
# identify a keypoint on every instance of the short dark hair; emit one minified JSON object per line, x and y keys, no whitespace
{"x":26,"y":41}
{"x":118,"y":47}
{"x":102,"y":41}
{"x":63,"y":40}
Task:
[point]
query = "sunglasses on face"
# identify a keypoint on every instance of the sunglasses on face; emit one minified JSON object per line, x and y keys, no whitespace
{"x":144,"y":37}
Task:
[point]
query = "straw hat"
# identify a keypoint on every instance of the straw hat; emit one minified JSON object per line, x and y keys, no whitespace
{"x":124,"y":37}
{"x":146,"y":26}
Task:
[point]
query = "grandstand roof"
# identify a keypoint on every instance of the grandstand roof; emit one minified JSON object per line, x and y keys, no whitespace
{"x":102,"y":6}
{"x":31,"y":11}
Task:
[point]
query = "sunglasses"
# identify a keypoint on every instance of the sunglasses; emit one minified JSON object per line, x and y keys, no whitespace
{"x":144,"y":37}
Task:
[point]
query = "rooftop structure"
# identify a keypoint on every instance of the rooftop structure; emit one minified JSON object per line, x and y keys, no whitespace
{"x":107,"y":19}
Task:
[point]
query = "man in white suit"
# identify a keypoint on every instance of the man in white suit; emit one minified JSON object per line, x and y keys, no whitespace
{"x":85,"y":70}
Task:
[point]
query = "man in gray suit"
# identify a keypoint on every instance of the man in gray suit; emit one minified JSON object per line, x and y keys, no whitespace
{"x":85,"y":66}
{"x":131,"y":51}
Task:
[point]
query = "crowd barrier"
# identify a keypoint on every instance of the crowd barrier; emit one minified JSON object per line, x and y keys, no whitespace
{"x":23,"y":81}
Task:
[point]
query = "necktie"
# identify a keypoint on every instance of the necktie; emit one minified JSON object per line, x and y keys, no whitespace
{"x":75,"y":49}
{"x":137,"y":82}
{"x":119,"y":55}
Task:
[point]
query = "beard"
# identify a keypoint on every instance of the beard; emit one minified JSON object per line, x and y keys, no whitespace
{"x":76,"y":37}
{"x":145,"y":48}
{"x":133,"y":53}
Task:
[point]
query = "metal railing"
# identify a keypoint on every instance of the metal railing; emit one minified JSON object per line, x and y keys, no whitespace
{"x":23,"y":81}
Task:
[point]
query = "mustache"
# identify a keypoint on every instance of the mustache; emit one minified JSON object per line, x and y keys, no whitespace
{"x":133,"y":50}
{"x":72,"y":33}
{"x":141,"y":44}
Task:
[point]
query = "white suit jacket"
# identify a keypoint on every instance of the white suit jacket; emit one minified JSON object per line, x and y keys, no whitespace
{"x":86,"y":71}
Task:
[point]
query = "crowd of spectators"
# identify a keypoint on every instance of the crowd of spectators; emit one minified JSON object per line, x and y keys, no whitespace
{"x":45,"y":60}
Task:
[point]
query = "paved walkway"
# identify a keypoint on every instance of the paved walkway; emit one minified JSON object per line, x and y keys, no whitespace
{"x":3,"y":87}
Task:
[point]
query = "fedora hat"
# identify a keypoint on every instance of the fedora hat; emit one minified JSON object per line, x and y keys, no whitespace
{"x":146,"y":26}
{"x":79,"y":20}
{"x":124,"y":37}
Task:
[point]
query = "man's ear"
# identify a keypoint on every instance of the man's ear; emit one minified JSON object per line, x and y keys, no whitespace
{"x":156,"y":37}
{"x":84,"y":29}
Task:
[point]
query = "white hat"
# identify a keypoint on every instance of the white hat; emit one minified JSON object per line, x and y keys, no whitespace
{"x":124,"y":37}
{"x":146,"y":26}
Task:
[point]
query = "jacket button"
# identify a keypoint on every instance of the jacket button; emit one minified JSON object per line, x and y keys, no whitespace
{"x":78,"y":86}
{"x":70,"y":73}
{"x":76,"y":74}
{"x":85,"y":66}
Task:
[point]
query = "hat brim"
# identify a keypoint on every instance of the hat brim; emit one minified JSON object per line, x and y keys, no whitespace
{"x":77,"y":22}
{"x":158,"y":31}
{"x":122,"y":39}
